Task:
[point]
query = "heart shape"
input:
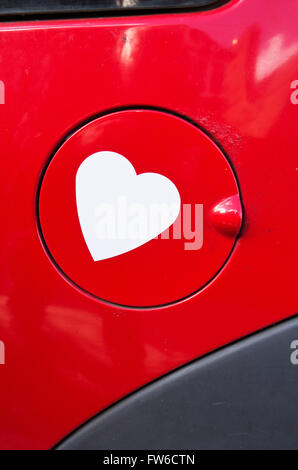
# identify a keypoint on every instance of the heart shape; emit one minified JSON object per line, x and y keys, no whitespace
{"x":119,"y":210}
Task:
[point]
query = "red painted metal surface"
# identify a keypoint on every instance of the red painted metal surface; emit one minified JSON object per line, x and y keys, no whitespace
{"x":230,"y":70}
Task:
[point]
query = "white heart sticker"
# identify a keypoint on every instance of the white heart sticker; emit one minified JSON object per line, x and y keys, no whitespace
{"x":119,"y":210}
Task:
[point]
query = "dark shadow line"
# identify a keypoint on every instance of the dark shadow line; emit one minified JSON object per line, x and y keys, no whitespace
{"x":16,"y":16}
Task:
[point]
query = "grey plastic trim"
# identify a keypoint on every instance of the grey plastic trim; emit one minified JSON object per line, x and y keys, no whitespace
{"x":244,"y":396}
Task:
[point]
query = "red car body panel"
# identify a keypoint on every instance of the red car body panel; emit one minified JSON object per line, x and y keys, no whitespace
{"x":69,"y":355}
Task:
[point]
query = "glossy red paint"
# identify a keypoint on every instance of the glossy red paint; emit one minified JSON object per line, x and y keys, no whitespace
{"x":69,"y":355}
{"x":227,"y":215}
{"x":181,"y":260}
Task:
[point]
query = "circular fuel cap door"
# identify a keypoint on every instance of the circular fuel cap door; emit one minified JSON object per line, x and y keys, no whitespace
{"x":139,"y":208}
